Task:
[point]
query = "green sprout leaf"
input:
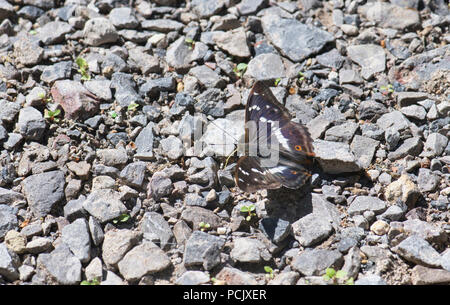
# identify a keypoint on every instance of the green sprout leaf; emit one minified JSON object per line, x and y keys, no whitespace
{"x":239,"y":70}
{"x":122,"y":218}
{"x":33,"y":32}
{"x":113,"y":114}
{"x":277,"y":81}
{"x":301,"y":76}
{"x":341,"y":274}
{"x":268,"y":269}
{"x":245,"y":209}
{"x":91,"y":282}
{"x":52,"y":115}
{"x":83,"y":68}
{"x":133,"y":107}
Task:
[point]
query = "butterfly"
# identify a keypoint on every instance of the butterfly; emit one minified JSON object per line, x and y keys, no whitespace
{"x":295,"y":151}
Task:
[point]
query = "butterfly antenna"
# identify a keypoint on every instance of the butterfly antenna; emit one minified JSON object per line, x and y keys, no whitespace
{"x":228,"y":158}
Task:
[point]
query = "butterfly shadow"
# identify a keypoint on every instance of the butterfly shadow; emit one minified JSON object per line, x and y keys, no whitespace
{"x":289,"y":204}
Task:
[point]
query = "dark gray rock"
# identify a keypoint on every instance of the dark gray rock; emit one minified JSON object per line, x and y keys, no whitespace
{"x":98,"y":31}
{"x":53,"y":32}
{"x":60,"y":70}
{"x":74,"y":209}
{"x":427,"y":180}
{"x":144,"y":259}
{"x":297,"y":41}
{"x":366,"y":203}
{"x":412,"y":146}
{"x":388,"y":15}
{"x":31,"y":124}
{"x":249,"y":250}
{"x":104,"y":204}
{"x":207,"y":8}
{"x":123,"y":18}
{"x":27,"y":51}
{"x":276,"y":229}
{"x":193,"y":278}
{"x":160,"y":185}
{"x":61,"y":265}
{"x":368,"y":109}
{"x":144,"y":143}
{"x":203,"y":249}
{"x":341,"y":133}
{"x":195,"y":215}
{"x":418,"y":251}
{"x":435,"y":144}
{"x":117,"y":243}
{"x":96,"y":231}
{"x":370,"y":279}
{"x":112,"y":157}
{"x":9,"y":262}
{"x":207,"y":77}
{"x":316,"y":261}
{"x":371,"y":58}
{"x":364,"y":148}
{"x":134,"y":174}
{"x":311,"y":229}
{"x":44,"y":191}
{"x":154,"y":86}
{"x":267,"y":66}
{"x":233,"y":42}
{"x":335,"y":157}
{"x":76,"y":236}
{"x":162,"y":25}
{"x":331,"y":59}
{"x":156,"y":229}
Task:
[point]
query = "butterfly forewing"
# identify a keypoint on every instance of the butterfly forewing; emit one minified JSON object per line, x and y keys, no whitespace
{"x":289,"y":140}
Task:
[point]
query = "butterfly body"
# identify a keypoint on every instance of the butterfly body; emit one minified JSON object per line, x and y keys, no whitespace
{"x":289,"y":144}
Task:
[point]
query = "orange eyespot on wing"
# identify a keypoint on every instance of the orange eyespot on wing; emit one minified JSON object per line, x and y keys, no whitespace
{"x":298,"y":148}
{"x":293,"y":172}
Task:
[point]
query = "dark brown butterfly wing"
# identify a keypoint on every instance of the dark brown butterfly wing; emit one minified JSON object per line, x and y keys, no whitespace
{"x":294,"y":145}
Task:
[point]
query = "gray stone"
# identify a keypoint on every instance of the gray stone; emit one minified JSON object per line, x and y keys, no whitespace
{"x":332,"y":59}
{"x":316,"y":261}
{"x":8,"y":111}
{"x":285,"y":278}
{"x":94,"y":270}
{"x":368,"y":109}
{"x":267,"y":66}
{"x":125,"y":86}
{"x":100,"y":88}
{"x":445,"y":260}
{"x":27,"y":51}
{"x":134,"y":174}
{"x":153,"y":87}
{"x":104,"y":204}
{"x":53,"y":32}
{"x":349,"y":77}
{"x":297,"y":41}
{"x":341,"y":133}
{"x":276,"y":229}
{"x":25,"y":272}
{"x":61,"y":265}
{"x":311,"y":230}
{"x":144,"y":259}
{"x":144,"y":143}
{"x":393,"y":213}
{"x":74,"y":209}
{"x":181,"y":231}
{"x":233,"y":276}
{"x":435,"y":144}
{"x":44,"y":191}
{"x":233,"y":42}
{"x":112,"y":157}
{"x":427,"y":180}
{"x":192,"y":278}
{"x":195,"y":215}
{"x":207,"y":8}
{"x":6,"y":9}
{"x":160,"y":185}
{"x":179,"y":54}
{"x":409,"y":98}
{"x":156,"y":229}
{"x":9,"y":262}
{"x":429,"y":276}
{"x":98,"y":31}
{"x":96,"y":231}
{"x":366,"y":203}
{"x":8,"y":219}
{"x":370,"y":279}
{"x":335,"y":157}
{"x":371,"y":58}
{"x":76,"y":236}
{"x":249,"y":7}
{"x":364,"y":148}
{"x":248,"y":250}
{"x":207,"y":77}
{"x":117,"y":243}
{"x":143,"y":61}
{"x":39,"y":245}
{"x":412,"y":146}
{"x":417,"y":250}
{"x":31,"y":123}
{"x":203,"y":249}
{"x":388,"y":15}
{"x":414,"y":111}
{"x":60,"y":70}
{"x":123,"y":18}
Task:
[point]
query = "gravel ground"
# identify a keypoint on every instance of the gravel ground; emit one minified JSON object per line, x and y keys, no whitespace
{"x":100,"y":100}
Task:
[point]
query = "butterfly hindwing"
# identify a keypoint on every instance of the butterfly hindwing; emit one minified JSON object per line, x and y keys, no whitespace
{"x":293,"y":145}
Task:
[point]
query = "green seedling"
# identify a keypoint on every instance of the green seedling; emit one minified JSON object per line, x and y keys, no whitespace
{"x":132,"y":107}
{"x":250,"y":210}
{"x":386,"y":90}
{"x":32,"y":32}
{"x":239,"y":70}
{"x":91,"y":282}
{"x":204,"y":226}
{"x":301,"y":76}
{"x":277,"y":81}
{"x":337,"y":277}
{"x":269,"y":272}
{"x":43,"y":97}
{"x":190,"y":42}
{"x":52,"y":115}
{"x":83,"y":68}
{"x":113,"y":114}
{"x":122,"y":218}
